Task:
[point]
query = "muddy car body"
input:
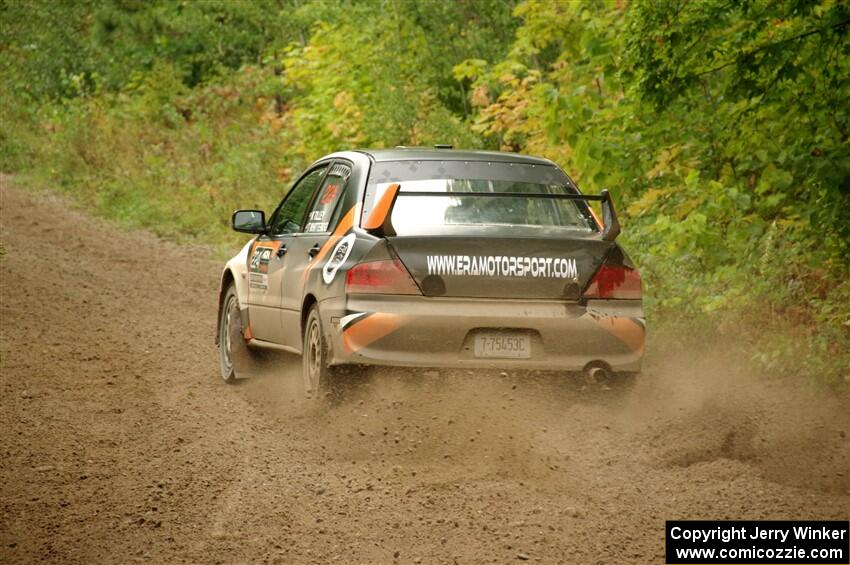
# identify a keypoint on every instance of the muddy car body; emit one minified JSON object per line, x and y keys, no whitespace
{"x":434,"y":257}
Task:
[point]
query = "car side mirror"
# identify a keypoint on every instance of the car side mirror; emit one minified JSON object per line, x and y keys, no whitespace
{"x":610,"y":223}
{"x":249,"y":221}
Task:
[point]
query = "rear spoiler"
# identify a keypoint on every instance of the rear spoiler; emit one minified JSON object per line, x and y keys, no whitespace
{"x":379,"y":222}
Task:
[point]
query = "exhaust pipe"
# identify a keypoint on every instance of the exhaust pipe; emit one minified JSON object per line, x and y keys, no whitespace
{"x":597,"y":373}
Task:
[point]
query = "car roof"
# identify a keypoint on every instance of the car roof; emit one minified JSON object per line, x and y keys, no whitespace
{"x":428,"y":154}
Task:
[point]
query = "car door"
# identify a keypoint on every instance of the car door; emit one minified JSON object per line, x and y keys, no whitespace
{"x":321,"y":220}
{"x":268,"y":257}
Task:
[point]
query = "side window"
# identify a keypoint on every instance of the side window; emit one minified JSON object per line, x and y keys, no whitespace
{"x":325,"y":211}
{"x":290,"y":214}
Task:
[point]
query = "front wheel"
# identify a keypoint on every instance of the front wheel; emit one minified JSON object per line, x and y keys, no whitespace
{"x":235,"y":358}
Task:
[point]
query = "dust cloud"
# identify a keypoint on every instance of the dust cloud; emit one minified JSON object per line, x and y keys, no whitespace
{"x":684,"y":410}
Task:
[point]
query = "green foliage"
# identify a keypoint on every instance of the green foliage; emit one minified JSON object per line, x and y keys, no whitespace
{"x":44,"y":47}
{"x":721,"y":127}
{"x":202,"y":39}
{"x":374,"y":77}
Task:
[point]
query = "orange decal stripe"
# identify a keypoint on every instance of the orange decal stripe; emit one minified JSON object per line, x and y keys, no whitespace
{"x":626,"y":330}
{"x":379,"y":213}
{"x":370,"y":329}
{"x":274,"y":245}
{"x":595,"y":217}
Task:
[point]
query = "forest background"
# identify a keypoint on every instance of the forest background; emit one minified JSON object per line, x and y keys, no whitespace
{"x":721,"y":127}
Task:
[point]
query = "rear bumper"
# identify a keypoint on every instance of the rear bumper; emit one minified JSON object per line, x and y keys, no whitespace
{"x":440,"y":332}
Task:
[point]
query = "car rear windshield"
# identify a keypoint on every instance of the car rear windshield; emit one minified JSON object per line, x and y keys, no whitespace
{"x":477,"y":198}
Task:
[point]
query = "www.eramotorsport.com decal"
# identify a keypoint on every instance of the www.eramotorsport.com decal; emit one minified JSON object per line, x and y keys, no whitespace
{"x":502,"y":266}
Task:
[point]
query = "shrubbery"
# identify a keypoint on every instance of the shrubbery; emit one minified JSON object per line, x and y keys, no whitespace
{"x":722,"y":128}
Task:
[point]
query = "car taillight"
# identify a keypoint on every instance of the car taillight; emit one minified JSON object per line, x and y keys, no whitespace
{"x":380,"y":277}
{"x":614,"y":281}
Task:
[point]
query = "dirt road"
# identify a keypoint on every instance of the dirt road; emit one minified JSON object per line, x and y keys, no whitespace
{"x":121,"y":443}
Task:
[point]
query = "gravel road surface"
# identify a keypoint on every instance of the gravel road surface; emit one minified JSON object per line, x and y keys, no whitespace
{"x":121,"y":443}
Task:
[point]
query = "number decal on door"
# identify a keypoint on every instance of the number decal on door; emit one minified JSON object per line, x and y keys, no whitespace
{"x":258,"y":278}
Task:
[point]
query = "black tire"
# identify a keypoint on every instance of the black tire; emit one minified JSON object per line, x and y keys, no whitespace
{"x":235,"y":358}
{"x":317,"y":377}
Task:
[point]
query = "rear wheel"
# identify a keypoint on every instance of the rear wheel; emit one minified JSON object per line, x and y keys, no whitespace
{"x":315,"y":372}
{"x":235,"y":357}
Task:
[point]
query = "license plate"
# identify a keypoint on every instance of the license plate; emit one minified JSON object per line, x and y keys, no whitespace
{"x":512,"y":346}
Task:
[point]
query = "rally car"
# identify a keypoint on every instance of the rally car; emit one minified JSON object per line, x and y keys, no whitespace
{"x":433,"y":258}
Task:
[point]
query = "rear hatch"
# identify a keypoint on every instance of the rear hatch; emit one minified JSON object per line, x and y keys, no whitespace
{"x":501,"y":267}
{"x":486,"y":229}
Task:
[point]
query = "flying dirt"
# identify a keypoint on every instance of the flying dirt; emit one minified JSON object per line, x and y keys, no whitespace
{"x":121,"y":443}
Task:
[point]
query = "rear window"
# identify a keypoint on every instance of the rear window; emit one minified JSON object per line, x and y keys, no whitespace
{"x":476,"y":197}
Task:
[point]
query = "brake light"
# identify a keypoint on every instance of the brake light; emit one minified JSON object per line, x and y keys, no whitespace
{"x":380,"y":277}
{"x":614,"y":281}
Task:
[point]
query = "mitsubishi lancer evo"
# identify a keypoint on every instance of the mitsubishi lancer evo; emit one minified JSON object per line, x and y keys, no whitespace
{"x":433,"y":258}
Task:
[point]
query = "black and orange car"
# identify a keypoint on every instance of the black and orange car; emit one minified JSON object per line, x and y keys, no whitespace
{"x":437,"y":258}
